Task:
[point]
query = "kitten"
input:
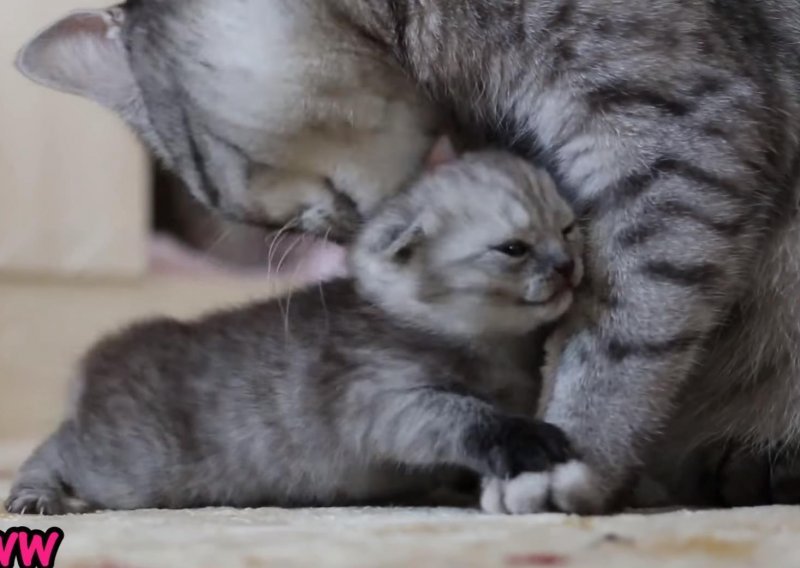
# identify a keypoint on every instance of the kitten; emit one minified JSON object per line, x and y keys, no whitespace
{"x":673,"y":127}
{"x":425,"y":361}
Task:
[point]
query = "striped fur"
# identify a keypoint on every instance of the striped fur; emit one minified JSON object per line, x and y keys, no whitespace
{"x":672,"y":126}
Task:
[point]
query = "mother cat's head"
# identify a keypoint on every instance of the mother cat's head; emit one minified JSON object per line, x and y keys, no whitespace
{"x":272,"y":111}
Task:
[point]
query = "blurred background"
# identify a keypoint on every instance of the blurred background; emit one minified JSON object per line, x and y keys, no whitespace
{"x":93,"y":235}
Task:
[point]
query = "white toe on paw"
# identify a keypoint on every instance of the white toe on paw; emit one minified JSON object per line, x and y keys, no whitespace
{"x":492,"y":497}
{"x":577,"y":489}
{"x":527,"y":494}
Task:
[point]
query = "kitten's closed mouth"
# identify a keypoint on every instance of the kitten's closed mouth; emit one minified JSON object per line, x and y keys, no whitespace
{"x":556,"y":297}
{"x":505,"y":298}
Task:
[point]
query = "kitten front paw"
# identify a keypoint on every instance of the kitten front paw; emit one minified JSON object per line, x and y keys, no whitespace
{"x":572,"y":487}
{"x":512,"y":446}
{"x":33,"y":502}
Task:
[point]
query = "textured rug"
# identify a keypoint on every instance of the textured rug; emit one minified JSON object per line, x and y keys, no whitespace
{"x":222,"y":538}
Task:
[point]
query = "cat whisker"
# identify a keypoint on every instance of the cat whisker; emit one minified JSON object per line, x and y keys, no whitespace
{"x":291,"y":279}
{"x":321,"y":288}
{"x":276,"y":240}
{"x":288,"y":252}
{"x":286,"y":327}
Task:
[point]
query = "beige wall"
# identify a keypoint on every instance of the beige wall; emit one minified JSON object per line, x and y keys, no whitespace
{"x":73,"y":181}
{"x":46,"y":327}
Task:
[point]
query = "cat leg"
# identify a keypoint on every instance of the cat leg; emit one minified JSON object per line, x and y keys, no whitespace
{"x":430,"y":427}
{"x":743,"y":477}
{"x":785,"y":478}
{"x":754,"y":477}
{"x":658,"y":300}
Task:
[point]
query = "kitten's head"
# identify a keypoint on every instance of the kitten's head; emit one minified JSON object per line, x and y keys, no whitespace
{"x":272,"y":111}
{"x":481,"y":246}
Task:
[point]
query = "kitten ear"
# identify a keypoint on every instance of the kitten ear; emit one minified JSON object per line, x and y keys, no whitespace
{"x":396,"y":238}
{"x":443,"y":152}
{"x":83,"y":54}
{"x":402,"y":246}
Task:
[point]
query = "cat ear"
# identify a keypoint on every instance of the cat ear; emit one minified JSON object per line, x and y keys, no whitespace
{"x":83,"y":54}
{"x":443,"y":152}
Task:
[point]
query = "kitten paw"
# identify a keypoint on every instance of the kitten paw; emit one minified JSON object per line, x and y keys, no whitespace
{"x":492,"y":497}
{"x":35,"y":501}
{"x":569,"y":488}
{"x":516,"y":445}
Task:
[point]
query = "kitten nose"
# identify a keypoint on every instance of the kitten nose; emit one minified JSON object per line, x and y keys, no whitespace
{"x":566,"y":268}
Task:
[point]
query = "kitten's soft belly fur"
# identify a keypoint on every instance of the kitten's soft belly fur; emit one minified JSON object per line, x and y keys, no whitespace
{"x":356,"y":392}
{"x":672,"y":125}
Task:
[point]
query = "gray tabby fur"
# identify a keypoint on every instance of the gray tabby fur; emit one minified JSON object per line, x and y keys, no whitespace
{"x":673,"y":126}
{"x":362,"y":392}
{"x":299,"y":126}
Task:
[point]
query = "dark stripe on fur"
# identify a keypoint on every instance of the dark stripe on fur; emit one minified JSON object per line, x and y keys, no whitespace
{"x":619,"y":350}
{"x":663,"y":214}
{"x":208,"y":187}
{"x":398,"y":12}
{"x":668,"y":165}
{"x":639,"y":233}
{"x":701,"y":275}
{"x":678,"y":210}
{"x":606,"y":97}
{"x":563,"y":15}
{"x":638,"y":183}
{"x":708,"y":85}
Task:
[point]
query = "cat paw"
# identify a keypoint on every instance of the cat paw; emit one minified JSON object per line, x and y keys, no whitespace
{"x":785,"y":480}
{"x":512,"y":446}
{"x":572,"y":487}
{"x":743,"y":479}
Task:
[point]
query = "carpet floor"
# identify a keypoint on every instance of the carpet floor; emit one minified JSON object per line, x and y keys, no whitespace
{"x":447,"y":538}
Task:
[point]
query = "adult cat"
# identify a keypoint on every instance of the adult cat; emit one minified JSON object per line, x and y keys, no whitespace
{"x":673,"y":125}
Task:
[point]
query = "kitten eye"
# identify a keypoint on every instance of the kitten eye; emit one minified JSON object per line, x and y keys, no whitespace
{"x":404,"y":255}
{"x":569,"y":230}
{"x":514,"y":249}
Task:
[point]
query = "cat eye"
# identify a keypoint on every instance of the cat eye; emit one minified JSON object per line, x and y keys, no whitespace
{"x":569,"y":230}
{"x":514,"y":249}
